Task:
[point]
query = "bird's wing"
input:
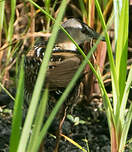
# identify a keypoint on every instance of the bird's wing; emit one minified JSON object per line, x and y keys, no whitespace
{"x":60,"y":74}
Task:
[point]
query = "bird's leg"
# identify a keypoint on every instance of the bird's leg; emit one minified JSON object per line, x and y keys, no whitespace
{"x":78,"y":96}
{"x":58,"y":137}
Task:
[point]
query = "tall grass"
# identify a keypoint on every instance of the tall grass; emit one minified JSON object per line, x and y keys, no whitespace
{"x":118,"y":121}
{"x":18,"y":114}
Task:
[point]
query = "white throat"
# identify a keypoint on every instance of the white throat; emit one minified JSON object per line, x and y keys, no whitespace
{"x":67,"y":46}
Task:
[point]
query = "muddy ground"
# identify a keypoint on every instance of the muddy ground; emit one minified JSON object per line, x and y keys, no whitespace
{"x":89,"y":128}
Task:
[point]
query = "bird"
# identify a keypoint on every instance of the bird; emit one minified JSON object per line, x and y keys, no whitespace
{"x":64,"y":62}
{"x":65,"y":58}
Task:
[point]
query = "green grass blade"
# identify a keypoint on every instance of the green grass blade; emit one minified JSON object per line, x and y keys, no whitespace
{"x":47,"y":8}
{"x":17,"y":114}
{"x":83,"y":9}
{"x":42,"y":10}
{"x":11,"y":24}
{"x":115,"y":87}
{"x":116,"y":20}
{"x":122,"y":47}
{"x":40,"y":80}
{"x":5,"y":28}
{"x":106,"y":101}
{"x":7,"y":92}
{"x":121,"y":63}
{"x":2,"y":7}
{"x":126,"y":129}
{"x":38,"y":122}
{"x":125,"y":96}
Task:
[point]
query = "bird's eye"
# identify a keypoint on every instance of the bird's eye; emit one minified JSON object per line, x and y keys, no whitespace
{"x":83,"y":30}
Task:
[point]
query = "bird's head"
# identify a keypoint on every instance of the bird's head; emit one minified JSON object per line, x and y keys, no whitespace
{"x":79,"y":31}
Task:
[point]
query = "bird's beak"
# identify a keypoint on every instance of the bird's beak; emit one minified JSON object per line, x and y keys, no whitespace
{"x":90,"y":32}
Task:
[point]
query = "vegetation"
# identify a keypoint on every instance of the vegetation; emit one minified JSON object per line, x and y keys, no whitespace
{"x":11,"y":38}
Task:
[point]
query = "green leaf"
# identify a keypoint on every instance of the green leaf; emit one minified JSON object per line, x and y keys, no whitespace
{"x":125,"y":129}
{"x":122,"y":48}
{"x":17,"y":114}
{"x":38,"y":122}
{"x":125,"y":96}
{"x":115,"y":87}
